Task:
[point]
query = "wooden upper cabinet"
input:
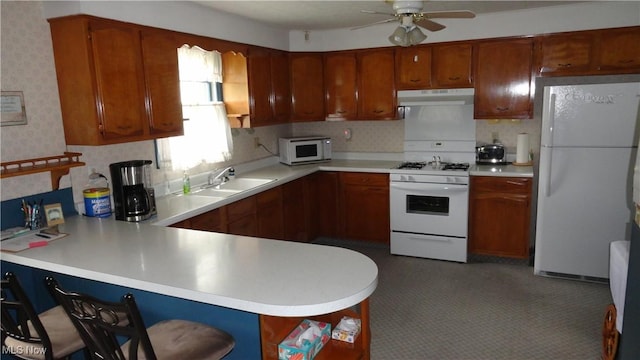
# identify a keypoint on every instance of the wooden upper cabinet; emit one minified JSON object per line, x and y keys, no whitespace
{"x":376,"y":85}
{"x":619,"y":50}
{"x":160,"y":59}
{"x":269,"y":95}
{"x":413,"y":67}
{"x":565,"y":54}
{"x":340,"y":81}
{"x":259,"y":62}
{"x":280,"y":90}
{"x":591,"y":52}
{"x":108,"y":94}
{"x":118,"y":68}
{"x":451,"y":66}
{"x":502,"y":72}
{"x":307,"y":89}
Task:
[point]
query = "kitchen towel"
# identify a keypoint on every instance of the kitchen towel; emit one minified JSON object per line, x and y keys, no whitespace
{"x":522,"y":149}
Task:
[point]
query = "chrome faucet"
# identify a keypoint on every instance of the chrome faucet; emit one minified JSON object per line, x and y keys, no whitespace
{"x":217,"y":176}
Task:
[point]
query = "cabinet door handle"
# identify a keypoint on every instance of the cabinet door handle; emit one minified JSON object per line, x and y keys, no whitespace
{"x":565,"y":65}
{"x":378,"y":111}
{"x":453,"y":78}
{"x":341,"y":112}
{"x":502,"y":108}
{"x":415,"y":80}
{"x":627,"y":61}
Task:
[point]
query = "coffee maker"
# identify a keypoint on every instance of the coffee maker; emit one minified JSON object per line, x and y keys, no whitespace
{"x":133,"y":195}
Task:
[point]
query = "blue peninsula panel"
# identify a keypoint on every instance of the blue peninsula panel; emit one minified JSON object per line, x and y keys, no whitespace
{"x":243,"y":326}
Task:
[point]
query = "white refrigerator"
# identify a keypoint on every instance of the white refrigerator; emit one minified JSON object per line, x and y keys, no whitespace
{"x":588,"y":149}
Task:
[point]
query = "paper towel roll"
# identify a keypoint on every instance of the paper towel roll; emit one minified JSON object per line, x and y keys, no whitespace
{"x":522,"y":149}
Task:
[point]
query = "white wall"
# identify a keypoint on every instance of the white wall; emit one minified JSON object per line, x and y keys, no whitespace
{"x":583,"y":16}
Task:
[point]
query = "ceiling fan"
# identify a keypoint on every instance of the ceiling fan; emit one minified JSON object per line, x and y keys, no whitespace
{"x":411,"y":17}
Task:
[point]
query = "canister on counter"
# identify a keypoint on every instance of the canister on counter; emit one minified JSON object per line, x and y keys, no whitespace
{"x":97,"y":202}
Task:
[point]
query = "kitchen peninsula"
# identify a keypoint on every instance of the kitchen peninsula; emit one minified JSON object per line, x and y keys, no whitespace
{"x":234,"y":282}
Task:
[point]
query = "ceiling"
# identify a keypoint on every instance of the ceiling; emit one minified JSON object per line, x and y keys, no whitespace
{"x":323,"y":14}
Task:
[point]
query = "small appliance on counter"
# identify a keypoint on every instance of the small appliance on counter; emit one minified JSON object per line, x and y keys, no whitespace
{"x":304,"y":150}
{"x":133,"y":195}
{"x":491,"y":154}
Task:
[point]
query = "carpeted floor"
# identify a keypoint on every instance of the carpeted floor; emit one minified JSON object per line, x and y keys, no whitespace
{"x":430,"y":309}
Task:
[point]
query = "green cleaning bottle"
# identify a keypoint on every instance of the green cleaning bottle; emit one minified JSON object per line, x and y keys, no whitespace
{"x":186,"y":184}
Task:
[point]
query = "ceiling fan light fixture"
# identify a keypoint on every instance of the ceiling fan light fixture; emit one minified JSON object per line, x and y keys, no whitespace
{"x":416,"y":36}
{"x":400,"y":37}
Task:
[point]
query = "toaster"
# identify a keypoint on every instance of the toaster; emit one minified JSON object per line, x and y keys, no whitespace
{"x":491,"y":154}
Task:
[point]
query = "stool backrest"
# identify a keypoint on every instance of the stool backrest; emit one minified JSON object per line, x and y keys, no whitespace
{"x":19,"y":319}
{"x":102,"y":323}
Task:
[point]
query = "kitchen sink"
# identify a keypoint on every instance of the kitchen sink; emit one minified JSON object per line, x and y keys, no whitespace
{"x":242,"y":184}
{"x":213,"y":191}
{"x":231,"y":187}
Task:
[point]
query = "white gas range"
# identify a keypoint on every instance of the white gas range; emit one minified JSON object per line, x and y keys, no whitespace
{"x":429,"y":209}
{"x":429,"y":192}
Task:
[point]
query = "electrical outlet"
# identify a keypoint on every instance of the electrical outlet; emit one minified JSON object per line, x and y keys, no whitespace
{"x":256,"y":141}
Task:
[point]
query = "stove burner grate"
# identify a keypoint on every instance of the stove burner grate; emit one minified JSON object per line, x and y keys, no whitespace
{"x":417,"y":165}
{"x":456,"y":166}
{"x":413,"y":165}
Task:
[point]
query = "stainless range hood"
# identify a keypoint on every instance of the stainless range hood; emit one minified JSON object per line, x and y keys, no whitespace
{"x":435,"y":97}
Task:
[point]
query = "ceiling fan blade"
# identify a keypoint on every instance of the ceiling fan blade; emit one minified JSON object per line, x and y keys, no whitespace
{"x":429,"y":25}
{"x":461,"y":14}
{"x":376,"y":12}
{"x":375,"y":23}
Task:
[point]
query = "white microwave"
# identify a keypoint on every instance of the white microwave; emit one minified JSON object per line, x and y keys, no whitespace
{"x":303,"y":150}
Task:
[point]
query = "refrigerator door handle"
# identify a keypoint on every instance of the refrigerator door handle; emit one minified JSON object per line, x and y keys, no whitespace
{"x":547,"y":184}
{"x":547,"y":140}
{"x":550,"y":115}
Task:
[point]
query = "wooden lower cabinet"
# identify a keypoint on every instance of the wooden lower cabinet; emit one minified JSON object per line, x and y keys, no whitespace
{"x":323,"y":200}
{"x":270,"y":215}
{"x":499,"y":216}
{"x":214,"y":220}
{"x":364,"y":208}
{"x":273,"y":329}
{"x":209,"y":221}
{"x":242,"y":217}
{"x":295,"y":209}
{"x":350,"y":205}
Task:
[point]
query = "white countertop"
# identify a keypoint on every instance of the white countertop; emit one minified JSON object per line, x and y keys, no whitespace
{"x":257,"y":275}
{"x":501,"y":170}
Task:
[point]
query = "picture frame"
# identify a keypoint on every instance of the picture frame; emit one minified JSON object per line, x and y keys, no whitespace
{"x":54,"y":214}
{"x":12,"y":109}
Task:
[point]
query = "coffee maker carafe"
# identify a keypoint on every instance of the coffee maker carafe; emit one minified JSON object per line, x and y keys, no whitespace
{"x":132,"y":192}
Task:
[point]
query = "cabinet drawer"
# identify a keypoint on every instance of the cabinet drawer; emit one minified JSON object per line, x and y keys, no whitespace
{"x":241,"y":209}
{"x":500,"y":184}
{"x":365,"y":179}
{"x":209,"y":221}
{"x":243,"y":226}
{"x":269,"y":197}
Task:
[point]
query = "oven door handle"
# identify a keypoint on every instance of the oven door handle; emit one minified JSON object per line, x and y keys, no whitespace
{"x":430,"y":188}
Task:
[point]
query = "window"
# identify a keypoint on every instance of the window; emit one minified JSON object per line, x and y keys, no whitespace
{"x":207,"y":134}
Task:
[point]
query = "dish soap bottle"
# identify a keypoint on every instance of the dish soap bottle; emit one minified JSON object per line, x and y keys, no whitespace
{"x":186,"y":184}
